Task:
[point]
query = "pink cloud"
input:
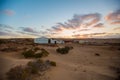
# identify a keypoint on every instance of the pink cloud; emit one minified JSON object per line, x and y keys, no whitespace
{"x":7,"y":12}
{"x":91,"y":19}
{"x":113,"y":17}
{"x":77,"y":22}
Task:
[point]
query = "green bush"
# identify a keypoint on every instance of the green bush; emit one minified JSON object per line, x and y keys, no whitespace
{"x":52,"y":63}
{"x":31,"y":53}
{"x":37,"y":66}
{"x":38,"y":55}
{"x":2,"y":41}
{"x":64,"y":50}
{"x":32,"y":69}
{"x":28,"y":54}
{"x":44,"y":52}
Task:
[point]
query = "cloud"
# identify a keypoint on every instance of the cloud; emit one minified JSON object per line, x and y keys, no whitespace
{"x":29,"y":34}
{"x":49,"y":30}
{"x":77,"y":22}
{"x":113,"y":17}
{"x":118,"y":28}
{"x":7,"y":12}
{"x":99,"y":25}
{"x":6,"y":33}
{"x":115,"y":22}
{"x":3,"y":33}
{"x":6,"y":28}
{"x":57,"y":28}
{"x":84,"y":30}
{"x":91,"y":19}
{"x":33,"y":32}
{"x":98,"y":35}
{"x":112,"y":35}
{"x":9,"y":31}
{"x":88,"y":35}
{"x":2,"y":26}
{"x":80,"y":36}
{"x":28,"y":29}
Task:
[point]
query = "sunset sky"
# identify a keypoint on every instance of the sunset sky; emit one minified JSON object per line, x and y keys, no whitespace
{"x":60,"y":18}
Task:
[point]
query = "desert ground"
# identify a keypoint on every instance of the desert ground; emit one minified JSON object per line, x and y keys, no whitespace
{"x":83,"y":62}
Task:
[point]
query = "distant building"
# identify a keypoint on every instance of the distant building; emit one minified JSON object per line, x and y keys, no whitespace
{"x":45,"y":40}
{"x":68,"y":41}
{"x":81,"y":41}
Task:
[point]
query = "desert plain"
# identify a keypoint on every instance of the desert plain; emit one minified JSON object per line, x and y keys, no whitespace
{"x":83,"y":62}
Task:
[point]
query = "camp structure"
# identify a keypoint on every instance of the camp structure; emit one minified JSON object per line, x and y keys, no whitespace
{"x":45,"y":40}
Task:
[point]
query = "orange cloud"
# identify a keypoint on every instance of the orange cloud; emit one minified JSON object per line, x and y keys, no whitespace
{"x":113,"y":17}
{"x":118,"y":28}
{"x":77,"y":22}
{"x":91,"y":19}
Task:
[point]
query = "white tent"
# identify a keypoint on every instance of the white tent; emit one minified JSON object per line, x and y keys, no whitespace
{"x":44,"y":40}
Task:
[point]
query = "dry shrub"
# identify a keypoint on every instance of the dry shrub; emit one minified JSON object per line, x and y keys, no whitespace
{"x":31,"y":53}
{"x":52,"y":63}
{"x":64,"y":50}
{"x":18,"y":73}
{"x":32,"y":68}
{"x":28,"y":53}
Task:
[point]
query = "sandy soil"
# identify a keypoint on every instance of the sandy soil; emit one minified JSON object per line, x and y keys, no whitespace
{"x":80,"y":63}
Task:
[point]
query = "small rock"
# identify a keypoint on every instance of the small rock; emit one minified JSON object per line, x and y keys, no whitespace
{"x":96,"y":54}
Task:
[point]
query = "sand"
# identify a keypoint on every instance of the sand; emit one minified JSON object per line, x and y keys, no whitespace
{"x":80,"y":63}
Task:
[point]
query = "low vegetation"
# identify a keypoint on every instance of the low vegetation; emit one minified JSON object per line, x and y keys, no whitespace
{"x":9,"y":49}
{"x":31,"y":69}
{"x":18,"y":73}
{"x":2,"y":41}
{"x":64,"y":50}
{"x":35,"y":53}
{"x":52,"y":63}
{"x":28,"y":53}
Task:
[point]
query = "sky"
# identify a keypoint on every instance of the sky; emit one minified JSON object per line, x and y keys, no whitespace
{"x":60,"y":18}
